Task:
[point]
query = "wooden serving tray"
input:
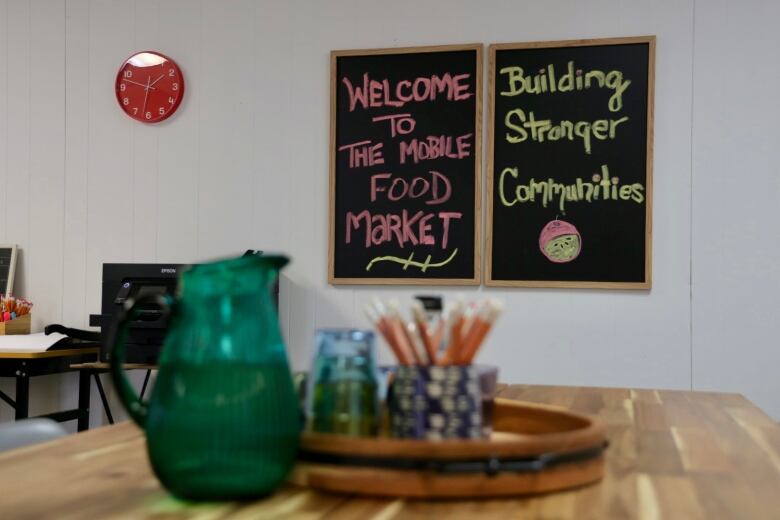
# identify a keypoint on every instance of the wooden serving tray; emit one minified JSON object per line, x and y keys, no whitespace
{"x":534,"y":449}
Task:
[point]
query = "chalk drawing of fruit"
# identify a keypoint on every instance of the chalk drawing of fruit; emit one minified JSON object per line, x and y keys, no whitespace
{"x":560,"y":242}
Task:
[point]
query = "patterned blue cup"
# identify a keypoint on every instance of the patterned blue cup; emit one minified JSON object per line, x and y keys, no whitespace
{"x":433,"y":402}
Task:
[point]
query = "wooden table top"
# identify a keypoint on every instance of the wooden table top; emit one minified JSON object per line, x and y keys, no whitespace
{"x":65,"y":352}
{"x":99,"y":365}
{"x":673,"y":454}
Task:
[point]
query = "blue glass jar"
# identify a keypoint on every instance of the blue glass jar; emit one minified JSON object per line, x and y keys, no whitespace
{"x":342,"y":396}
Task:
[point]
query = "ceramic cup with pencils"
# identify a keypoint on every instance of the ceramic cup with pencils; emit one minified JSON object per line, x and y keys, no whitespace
{"x":436,"y":402}
{"x":437,"y":392}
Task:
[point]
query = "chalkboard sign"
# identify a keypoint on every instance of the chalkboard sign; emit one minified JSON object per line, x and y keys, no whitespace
{"x":404,"y":167}
{"x":7,"y":268}
{"x":570,"y":164}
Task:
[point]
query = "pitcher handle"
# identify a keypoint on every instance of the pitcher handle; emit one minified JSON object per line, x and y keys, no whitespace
{"x":117,"y":337}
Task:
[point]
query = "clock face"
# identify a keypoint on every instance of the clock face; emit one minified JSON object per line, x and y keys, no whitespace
{"x":149,"y":87}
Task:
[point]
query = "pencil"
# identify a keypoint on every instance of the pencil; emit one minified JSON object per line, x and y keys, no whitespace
{"x":457,"y":319}
{"x":415,"y":339}
{"x":382,"y":326}
{"x":422,"y":327}
{"x":483,"y":322}
{"x":398,"y":326}
{"x":436,"y":337}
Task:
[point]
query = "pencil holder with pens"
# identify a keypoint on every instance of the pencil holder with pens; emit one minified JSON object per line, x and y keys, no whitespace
{"x":14,"y":315}
{"x":17,"y":325}
{"x":438,"y":393}
{"x":436,"y":402}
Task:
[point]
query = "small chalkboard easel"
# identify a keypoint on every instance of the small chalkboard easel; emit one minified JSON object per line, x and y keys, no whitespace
{"x":7,"y":268}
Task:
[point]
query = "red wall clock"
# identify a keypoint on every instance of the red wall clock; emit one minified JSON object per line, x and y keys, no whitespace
{"x":149,"y":87}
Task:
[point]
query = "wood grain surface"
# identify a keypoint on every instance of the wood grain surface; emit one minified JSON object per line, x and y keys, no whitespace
{"x":673,"y":455}
{"x":99,"y":365}
{"x":9,"y":354}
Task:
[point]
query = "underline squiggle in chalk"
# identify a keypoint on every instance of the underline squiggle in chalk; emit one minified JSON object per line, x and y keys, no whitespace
{"x":406,"y":262}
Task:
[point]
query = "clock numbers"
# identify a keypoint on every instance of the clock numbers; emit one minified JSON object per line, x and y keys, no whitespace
{"x":161,"y":111}
{"x":175,"y":86}
{"x":128,"y":73}
{"x":171,"y":72}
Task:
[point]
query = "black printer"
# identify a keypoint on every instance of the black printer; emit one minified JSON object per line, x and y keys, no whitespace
{"x":145,"y":334}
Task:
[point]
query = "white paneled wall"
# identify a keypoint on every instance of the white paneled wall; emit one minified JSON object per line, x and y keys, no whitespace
{"x":4,"y":116}
{"x":736,"y":201}
{"x":243,"y":164}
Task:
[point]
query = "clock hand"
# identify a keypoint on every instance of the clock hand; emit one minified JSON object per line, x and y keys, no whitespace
{"x":158,"y":79}
{"x":135,"y":82}
{"x":146,"y":94}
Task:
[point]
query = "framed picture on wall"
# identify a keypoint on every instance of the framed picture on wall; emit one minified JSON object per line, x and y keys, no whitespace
{"x":7,"y":268}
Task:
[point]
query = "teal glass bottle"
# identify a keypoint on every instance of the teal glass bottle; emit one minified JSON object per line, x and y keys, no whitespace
{"x":223,"y":420}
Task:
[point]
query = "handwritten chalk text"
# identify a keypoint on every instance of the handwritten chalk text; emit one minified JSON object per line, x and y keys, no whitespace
{"x":364,"y":153}
{"x":435,"y":147}
{"x":439,"y":188}
{"x":405,"y":228}
{"x":603,"y":187}
{"x":380,"y":93}
{"x":399,"y":123}
{"x":518,"y":82}
{"x":542,"y":130}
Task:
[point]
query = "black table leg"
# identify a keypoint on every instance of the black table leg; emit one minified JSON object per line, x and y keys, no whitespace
{"x":84,"y":389}
{"x":143,"y":387}
{"x":102,"y":393}
{"x":22,"y":395}
{"x":8,"y":400}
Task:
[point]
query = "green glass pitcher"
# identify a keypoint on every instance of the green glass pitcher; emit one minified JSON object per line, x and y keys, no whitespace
{"x":223,"y":420}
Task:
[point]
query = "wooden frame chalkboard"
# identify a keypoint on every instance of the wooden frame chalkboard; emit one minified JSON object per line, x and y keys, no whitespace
{"x":568,"y":205}
{"x":410,"y":214}
{"x":7,"y":268}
